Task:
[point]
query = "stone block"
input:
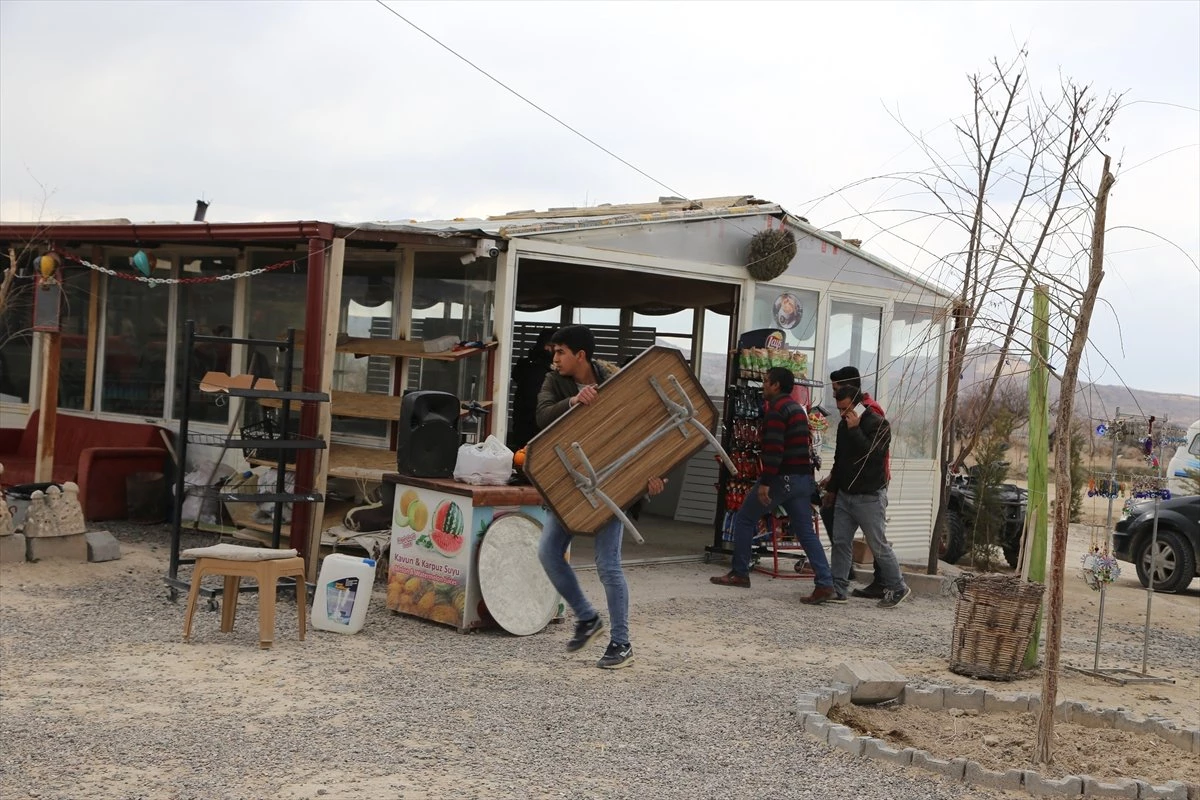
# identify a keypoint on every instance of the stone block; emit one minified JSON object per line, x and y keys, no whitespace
{"x":1128,"y":721}
{"x":1183,"y":738}
{"x":926,"y":585}
{"x":880,"y":751}
{"x":1171,"y":790}
{"x":966,"y":699}
{"x":852,"y":743}
{"x":1005,"y":703}
{"x":1069,"y":711}
{"x":102,"y":546}
{"x":1009,"y":780}
{"x":1038,"y":786}
{"x":806,"y":702}
{"x":836,"y":732}
{"x":1035,"y":704}
{"x":953,"y":768}
{"x":12,"y":548}
{"x":817,"y":725}
{"x":924,"y":698}
{"x":841,"y":694}
{"x":1096,"y":718}
{"x":870,"y":681}
{"x":1119,"y":787}
{"x":72,"y":547}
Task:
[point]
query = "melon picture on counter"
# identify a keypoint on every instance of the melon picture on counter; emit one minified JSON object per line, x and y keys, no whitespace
{"x":447,"y":532}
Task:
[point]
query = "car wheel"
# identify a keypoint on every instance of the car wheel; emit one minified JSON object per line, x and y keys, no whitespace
{"x":954,"y":538}
{"x":1172,"y":563}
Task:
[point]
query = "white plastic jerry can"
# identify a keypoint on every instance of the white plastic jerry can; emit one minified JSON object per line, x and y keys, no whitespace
{"x":343,"y":593}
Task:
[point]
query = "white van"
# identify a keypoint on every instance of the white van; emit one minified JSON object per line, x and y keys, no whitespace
{"x":1187,"y":456}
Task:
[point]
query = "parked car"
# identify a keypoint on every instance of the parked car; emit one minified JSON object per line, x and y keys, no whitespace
{"x":1173,"y":561}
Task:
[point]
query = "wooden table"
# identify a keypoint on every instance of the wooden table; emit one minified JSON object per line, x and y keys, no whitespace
{"x":618,"y":427}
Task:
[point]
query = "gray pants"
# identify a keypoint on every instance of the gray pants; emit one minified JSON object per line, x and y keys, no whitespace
{"x":864,"y":511}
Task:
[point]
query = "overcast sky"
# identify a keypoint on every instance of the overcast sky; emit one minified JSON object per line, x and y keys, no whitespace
{"x":340,"y":111}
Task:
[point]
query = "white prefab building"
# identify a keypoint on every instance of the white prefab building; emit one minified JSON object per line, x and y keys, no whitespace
{"x":660,"y":260}
{"x":674,"y":272}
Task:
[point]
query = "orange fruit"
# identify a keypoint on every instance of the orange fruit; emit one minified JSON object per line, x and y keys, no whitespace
{"x":519,"y":458}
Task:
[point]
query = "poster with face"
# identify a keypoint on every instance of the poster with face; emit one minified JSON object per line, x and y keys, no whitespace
{"x":788,"y":311}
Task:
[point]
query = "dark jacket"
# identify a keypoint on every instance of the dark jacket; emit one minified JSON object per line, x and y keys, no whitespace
{"x":557,"y":391}
{"x":528,"y":376}
{"x":860,"y":458}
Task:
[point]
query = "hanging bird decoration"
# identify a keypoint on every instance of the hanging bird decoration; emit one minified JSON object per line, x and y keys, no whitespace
{"x":48,"y":265}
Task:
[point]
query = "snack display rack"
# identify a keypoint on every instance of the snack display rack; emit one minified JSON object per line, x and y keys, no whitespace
{"x":758,"y":352}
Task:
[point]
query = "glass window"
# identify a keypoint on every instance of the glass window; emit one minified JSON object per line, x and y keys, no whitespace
{"x":854,"y":341}
{"x":276,"y":300}
{"x":794,"y":311}
{"x":452,"y":299}
{"x":367,"y":312}
{"x":913,"y":378}
{"x":210,"y":305}
{"x":135,"y":342}
{"x":16,"y":334}
{"x":72,"y":376}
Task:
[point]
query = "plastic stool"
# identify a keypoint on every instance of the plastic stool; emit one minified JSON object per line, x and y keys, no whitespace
{"x":236,"y":562}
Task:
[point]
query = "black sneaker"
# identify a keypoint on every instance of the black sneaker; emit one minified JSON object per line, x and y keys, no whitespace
{"x":616,"y":656}
{"x":891,"y":599}
{"x":837,"y":599}
{"x":873,"y":592}
{"x":584,"y":631}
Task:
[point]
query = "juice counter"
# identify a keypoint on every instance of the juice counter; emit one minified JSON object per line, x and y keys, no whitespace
{"x":437,"y":527}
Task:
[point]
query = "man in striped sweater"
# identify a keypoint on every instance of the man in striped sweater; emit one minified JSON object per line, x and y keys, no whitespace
{"x":786,"y":480}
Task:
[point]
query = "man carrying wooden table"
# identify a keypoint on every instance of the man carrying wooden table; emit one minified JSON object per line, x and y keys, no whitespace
{"x":574,"y":381}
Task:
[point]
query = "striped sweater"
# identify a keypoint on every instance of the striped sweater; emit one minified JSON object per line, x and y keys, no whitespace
{"x":786,"y":440}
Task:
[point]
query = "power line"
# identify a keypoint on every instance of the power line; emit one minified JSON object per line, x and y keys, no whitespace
{"x":525,"y":99}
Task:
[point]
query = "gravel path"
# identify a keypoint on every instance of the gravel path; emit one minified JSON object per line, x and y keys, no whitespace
{"x":101,"y":699}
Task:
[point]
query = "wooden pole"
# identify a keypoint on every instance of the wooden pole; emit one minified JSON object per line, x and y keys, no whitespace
{"x":93,"y":331}
{"x":43,"y":470}
{"x":1044,"y":752}
{"x":1039,"y":446}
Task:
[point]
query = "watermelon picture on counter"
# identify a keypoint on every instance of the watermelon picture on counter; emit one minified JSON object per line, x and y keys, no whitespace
{"x":446,"y":534}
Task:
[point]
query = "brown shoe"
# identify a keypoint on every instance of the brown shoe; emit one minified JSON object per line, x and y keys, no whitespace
{"x":820,"y":596}
{"x":731,"y":579}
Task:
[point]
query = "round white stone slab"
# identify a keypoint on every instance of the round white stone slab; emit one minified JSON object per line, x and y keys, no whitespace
{"x":518,"y":594}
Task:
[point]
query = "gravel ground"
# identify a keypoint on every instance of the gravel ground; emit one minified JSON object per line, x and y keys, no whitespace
{"x":101,"y":699}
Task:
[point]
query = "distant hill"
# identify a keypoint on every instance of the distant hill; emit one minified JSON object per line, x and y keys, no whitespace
{"x":1093,"y":399}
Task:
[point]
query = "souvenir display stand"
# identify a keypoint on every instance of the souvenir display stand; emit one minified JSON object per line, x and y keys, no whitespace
{"x":1099,"y":565}
{"x":275,"y":442}
{"x":758,"y":351}
{"x":438,"y":526}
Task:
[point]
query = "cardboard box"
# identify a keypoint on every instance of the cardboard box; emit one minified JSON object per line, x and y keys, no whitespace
{"x":860,"y":553}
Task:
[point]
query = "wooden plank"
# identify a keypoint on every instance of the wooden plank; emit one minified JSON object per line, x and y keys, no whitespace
{"x":627,"y":411}
{"x":495,"y":496}
{"x":43,"y":465}
{"x":361,"y":405}
{"x":402,"y":348}
{"x":93,"y":334}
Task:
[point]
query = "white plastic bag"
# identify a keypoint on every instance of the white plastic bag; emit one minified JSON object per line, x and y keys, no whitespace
{"x":486,"y":463}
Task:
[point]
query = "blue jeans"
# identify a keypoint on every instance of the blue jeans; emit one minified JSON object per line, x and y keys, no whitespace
{"x":866,"y":511}
{"x":794,"y":493}
{"x":552,"y":552}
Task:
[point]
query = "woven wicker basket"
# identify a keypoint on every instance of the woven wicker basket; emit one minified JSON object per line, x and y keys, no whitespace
{"x":993,"y":623}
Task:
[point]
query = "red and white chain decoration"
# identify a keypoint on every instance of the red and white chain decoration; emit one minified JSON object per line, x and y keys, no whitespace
{"x":152,"y":282}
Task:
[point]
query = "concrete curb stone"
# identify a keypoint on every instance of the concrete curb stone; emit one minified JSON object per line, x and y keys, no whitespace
{"x":1121,"y":787}
{"x":1010,"y":780}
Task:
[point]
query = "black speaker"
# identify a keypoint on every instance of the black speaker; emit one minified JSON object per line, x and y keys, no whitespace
{"x":427,"y":442}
